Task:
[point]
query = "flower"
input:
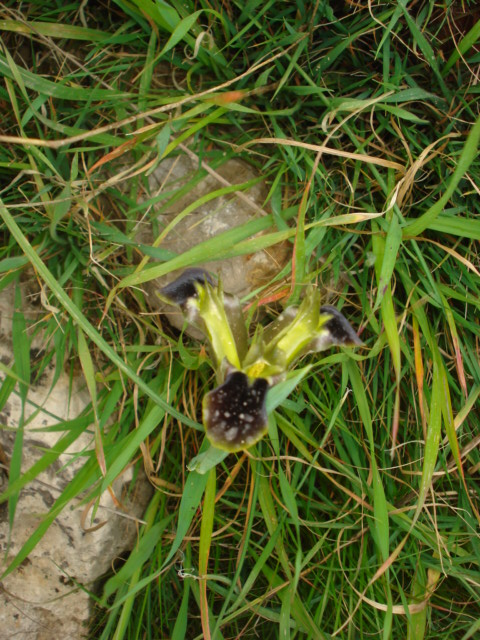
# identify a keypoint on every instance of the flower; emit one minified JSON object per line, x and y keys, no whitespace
{"x":234,"y":413}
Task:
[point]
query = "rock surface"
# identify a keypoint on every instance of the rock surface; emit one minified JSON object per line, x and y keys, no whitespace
{"x":239,"y":275}
{"x":41,"y":600}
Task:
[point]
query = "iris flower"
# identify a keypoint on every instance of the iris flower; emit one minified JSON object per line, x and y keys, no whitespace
{"x":234,"y":413}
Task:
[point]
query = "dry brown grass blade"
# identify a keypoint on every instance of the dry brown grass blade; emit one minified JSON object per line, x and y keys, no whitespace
{"x":58,"y":144}
{"x":453,"y":253}
{"x":362,"y":157}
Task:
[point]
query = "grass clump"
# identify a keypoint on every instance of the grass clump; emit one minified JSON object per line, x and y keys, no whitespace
{"x":358,"y":516}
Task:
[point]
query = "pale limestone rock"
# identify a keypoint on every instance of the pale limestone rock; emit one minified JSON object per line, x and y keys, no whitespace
{"x":239,"y":275}
{"x":41,"y":600}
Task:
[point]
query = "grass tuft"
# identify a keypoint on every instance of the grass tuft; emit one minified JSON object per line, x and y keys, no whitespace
{"x":358,"y":516}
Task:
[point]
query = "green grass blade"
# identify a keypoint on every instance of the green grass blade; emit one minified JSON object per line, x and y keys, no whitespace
{"x":457,"y":226}
{"x":55,"y":30}
{"x":130,"y":573}
{"x":21,"y":353}
{"x":207,"y":460}
{"x":381,"y":524}
{"x":178,"y":34}
{"x":218,"y":246}
{"x":271,"y":521}
{"x":206,"y":529}
{"x":195,"y":485}
{"x":181,"y":623}
{"x":417,"y":623}
{"x":468,"y":155}
{"x":389,"y":254}
{"x":425,"y":47}
{"x":462,"y":47}
{"x":433,"y":435}
{"x":45,"y":87}
{"x":73,"y":428}
{"x":80,"y":319}
{"x":142,"y":552}
{"x":89,"y":375}
{"x":472,"y":631}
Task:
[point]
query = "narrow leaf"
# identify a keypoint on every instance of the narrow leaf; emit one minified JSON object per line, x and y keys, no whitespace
{"x":433,"y":436}
{"x":180,"y":31}
{"x":192,"y":496}
{"x":468,"y":155}
{"x":206,"y":529}
{"x":390,"y":251}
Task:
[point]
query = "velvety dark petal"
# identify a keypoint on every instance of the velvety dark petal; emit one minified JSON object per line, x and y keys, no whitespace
{"x":234,"y":413}
{"x":184,"y":287}
{"x":337,"y":330}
